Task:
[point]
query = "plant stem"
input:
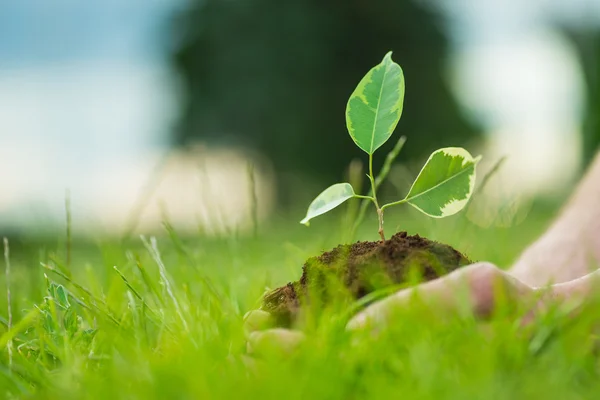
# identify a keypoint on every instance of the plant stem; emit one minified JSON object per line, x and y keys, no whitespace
{"x":387,"y":166}
{"x":395,"y":203}
{"x":380,"y":217}
{"x":374,"y":191}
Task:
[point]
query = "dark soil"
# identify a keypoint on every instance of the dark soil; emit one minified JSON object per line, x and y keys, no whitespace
{"x":358,"y":269}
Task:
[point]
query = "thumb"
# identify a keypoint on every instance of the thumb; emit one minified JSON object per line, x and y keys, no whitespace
{"x":275,"y":341}
{"x":258,"y":320}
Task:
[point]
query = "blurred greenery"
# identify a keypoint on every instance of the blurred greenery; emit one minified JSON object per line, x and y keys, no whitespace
{"x":88,"y":331}
{"x":107,"y":318}
{"x":275,"y":76}
{"x":587,"y":44}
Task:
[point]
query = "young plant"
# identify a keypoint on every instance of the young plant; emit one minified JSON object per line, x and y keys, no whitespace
{"x":446,"y":181}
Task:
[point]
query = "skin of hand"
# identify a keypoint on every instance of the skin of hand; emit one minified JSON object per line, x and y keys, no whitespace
{"x":571,"y":245}
{"x":482,"y":281}
{"x":561,"y":256}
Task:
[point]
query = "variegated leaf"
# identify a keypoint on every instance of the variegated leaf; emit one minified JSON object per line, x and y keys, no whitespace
{"x":445,"y":183}
{"x":375,"y":106}
{"x":329,"y":199}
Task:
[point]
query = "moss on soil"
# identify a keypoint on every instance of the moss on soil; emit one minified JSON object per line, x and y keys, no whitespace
{"x":361,"y":268}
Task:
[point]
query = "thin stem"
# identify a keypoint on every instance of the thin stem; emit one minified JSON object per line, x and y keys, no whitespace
{"x":358,"y":196}
{"x":395,"y":203}
{"x":374,"y":190}
{"x":372,"y":180}
{"x":380,"y":218}
{"x":383,"y":173}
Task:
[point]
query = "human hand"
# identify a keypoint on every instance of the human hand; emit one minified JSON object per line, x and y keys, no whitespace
{"x":482,"y":282}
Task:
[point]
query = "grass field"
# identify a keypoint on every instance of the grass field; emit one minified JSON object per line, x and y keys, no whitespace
{"x":168,"y":324}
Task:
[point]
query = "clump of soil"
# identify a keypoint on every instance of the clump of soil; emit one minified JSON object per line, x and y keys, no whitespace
{"x":361,"y":268}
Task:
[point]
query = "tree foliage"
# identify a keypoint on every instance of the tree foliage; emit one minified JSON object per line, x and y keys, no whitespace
{"x":274,"y":75}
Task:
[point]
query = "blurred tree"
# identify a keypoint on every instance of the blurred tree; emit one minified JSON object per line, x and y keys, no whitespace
{"x":275,"y":76}
{"x":587,"y":44}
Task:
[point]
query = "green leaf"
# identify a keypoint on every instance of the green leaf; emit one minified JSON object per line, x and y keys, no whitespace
{"x":445,"y":183}
{"x":329,"y":199}
{"x":62,"y":296}
{"x":70,"y":321}
{"x":375,"y":106}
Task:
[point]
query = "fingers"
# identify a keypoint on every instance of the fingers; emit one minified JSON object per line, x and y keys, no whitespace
{"x":577,"y":289}
{"x":481,"y":281}
{"x":570,"y":295}
{"x":274,"y":341}
{"x":264,"y":339}
{"x":258,"y":320}
{"x":484,"y":284}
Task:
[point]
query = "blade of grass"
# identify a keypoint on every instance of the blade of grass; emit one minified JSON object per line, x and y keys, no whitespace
{"x":9,"y":345}
{"x":152,"y":248}
{"x":136,"y":293}
{"x":69,"y":243}
{"x":72,"y":282}
{"x":108,"y":313}
{"x":253,"y":198}
{"x":355,"y":179}
{"x":146,"y":278}
{"x":184,"y":252}
{"x":20,"y":326}
{"x":493,"y":171}
{"x":72,"y":296}
{"x":143,"y":198}
{"x":463,"y":226}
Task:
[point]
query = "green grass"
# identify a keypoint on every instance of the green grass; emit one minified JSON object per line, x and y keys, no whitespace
{"x":88,"y":331}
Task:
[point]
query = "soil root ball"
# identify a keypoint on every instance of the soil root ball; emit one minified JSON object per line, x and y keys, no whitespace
{"x":361,"y":268}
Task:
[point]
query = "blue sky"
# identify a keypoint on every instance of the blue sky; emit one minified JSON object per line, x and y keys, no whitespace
{"x":59,"y":31}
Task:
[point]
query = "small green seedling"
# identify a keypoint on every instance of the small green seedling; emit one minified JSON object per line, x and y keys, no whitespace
{"x":446,"y":181}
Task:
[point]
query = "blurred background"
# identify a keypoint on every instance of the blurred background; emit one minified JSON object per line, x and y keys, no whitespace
{"x":216,"y":114}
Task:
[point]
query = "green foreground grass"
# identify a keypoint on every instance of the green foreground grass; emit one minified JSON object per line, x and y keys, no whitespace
{"x":168,"y":324}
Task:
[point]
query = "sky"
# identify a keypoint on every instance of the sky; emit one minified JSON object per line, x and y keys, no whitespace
{"x":86,"y":98}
